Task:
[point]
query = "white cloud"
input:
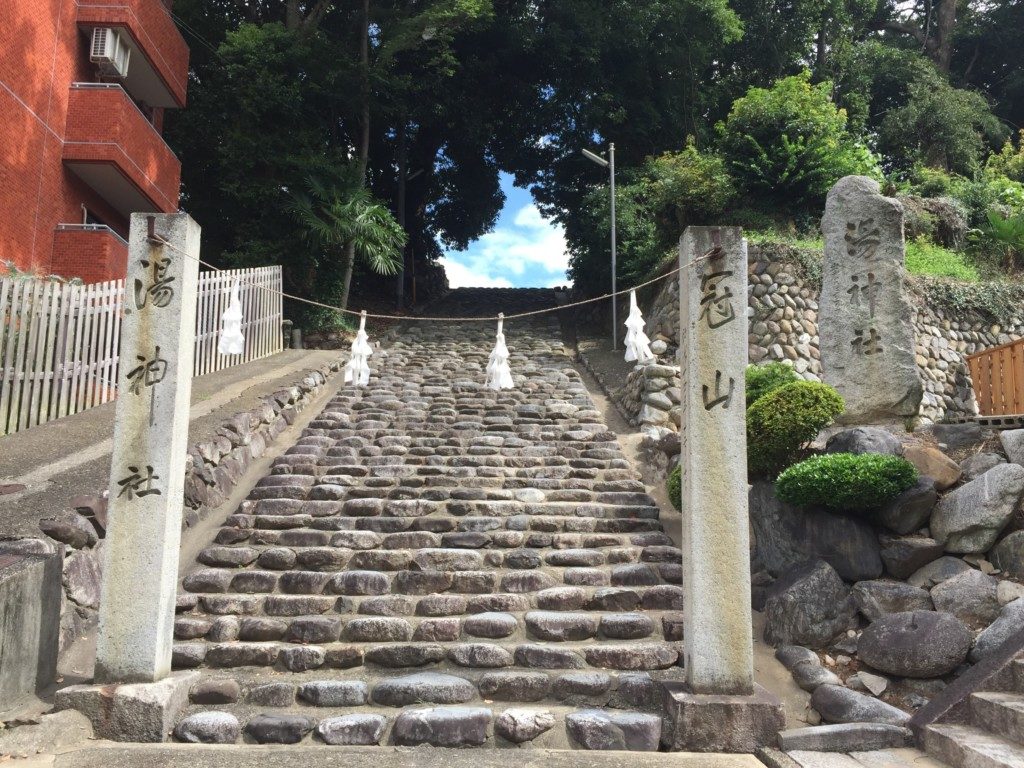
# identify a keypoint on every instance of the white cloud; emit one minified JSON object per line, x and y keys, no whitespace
{"x":529,"y":216}
{"x":532,"y":242}
{"x":462,"y":276}
{"x":531,"y":250}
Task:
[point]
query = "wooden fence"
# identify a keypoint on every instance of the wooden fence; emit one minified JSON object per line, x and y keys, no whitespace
{"x":998,"y":378}
{"x":59,"y":343}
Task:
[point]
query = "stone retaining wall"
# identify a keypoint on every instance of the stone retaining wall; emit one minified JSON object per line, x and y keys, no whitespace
{"x":783,"y":318}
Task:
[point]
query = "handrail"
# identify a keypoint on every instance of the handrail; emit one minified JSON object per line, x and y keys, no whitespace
{"x":90,"y":228}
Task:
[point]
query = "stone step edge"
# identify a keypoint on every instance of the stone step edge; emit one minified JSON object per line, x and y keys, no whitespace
{"x":999,"y":713}
{"x":174,"y":755}
{"x":964,"y":746}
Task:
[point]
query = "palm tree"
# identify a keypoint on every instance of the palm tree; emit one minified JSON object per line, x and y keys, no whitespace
{"x":350,"y":223}
{"x":1008,"y":231}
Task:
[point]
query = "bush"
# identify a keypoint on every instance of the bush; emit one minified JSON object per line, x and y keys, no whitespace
{"x":674,"y":486}
{"x":789,"y":142}
{"x":762,"y":379}
{"x":1008,"y":162}
{"x":926,"y":258}
{"x":781,"y":423}
{"x":689,"y":187}
{"x":846,"y":481}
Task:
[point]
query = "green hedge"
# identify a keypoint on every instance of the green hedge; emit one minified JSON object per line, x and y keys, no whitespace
{"x":846,"y":481}
{"x":762,"y":379}
{"x":781,"y":423}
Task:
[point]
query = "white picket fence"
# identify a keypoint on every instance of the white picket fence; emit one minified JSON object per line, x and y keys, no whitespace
{"x":59,"y":343}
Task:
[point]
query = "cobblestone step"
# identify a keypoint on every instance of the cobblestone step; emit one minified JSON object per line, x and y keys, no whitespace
{"x":300,"y":657}
{"x":469,"y":725}
{"x":391,"y":619}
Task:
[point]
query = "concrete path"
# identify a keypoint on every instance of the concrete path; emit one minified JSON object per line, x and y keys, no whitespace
{"x":71,"y":456}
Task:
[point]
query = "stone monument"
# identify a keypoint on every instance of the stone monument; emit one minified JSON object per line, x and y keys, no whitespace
{"x":865,"y":319}
{"x":147,"y":474}
{"x":719,"y":708}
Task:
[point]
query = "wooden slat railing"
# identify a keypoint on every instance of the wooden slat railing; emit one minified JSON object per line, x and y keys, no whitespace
{"x":59,"y":343}
{"x":998,"y":378}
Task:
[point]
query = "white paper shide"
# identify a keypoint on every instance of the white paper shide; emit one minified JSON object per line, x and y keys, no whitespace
{"x":499,"y":375}
{"x":232,"y":342}
{"x":638,"y":346}
{"x":357,"y":371}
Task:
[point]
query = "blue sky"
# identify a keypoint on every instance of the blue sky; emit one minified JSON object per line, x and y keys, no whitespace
{"x":523,"y":250}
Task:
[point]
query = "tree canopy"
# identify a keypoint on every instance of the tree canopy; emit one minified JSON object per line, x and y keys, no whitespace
{"x":760,"y":104}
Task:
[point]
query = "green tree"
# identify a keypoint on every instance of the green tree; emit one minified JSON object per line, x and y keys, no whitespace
{"x":789,"y":143}
{"x":348,"y":223}
{"x":940,"y":126}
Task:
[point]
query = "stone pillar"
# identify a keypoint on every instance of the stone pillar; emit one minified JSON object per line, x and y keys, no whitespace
{"x":147,"y":474}
{"x":865,"y":319}
{"x":716,"y":539}
{"x":719,"y":708}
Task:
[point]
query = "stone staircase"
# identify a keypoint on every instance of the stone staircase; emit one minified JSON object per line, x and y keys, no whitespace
{"x":437,"y":563}
{"x":992,"y":732}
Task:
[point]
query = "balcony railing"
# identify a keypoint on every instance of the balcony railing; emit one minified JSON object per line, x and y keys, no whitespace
{"x":111,"y":145}
{"x":93,"y":252}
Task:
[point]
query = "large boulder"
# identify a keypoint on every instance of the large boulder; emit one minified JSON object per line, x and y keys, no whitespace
{"x":915,"y":644}
{"x":937,"y":572}
{"x":864,"y":440}
{"x":970,"y":596}
{"x":978,"y":464}
{"x":1008,"y":555}
{"x":910,"y":510}
{"x":933,"y":463}
{"x":903,"y":556}
{"x":786,"y":536}
{"x":1013,"y":444}
{"x":837,"y":704}
{"x":880,"y":598}
{"x":953,"y":437}
{"x":1010,"y":620}
{"x":808,"y":605}
{"x":969,"y":519}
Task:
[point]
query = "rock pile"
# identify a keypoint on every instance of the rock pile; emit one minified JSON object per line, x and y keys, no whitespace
{"x":876,"y":613}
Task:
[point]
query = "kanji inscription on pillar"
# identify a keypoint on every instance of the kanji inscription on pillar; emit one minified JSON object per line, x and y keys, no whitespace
{"x":716,"y":554}
{"x":865,"y":318}
{"x":147,"y":473}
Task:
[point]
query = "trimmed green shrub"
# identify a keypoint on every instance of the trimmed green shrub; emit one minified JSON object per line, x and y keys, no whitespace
{"x":846,"y":481}
{"x":674,"y":486}
{"x":781,"y":423}
{"x":762,"y":379}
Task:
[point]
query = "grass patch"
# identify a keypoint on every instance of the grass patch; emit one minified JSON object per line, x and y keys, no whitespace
{"x":795,"y":241}
{"x":926,"y":258}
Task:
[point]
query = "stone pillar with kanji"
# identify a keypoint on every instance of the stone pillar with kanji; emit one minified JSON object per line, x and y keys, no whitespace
{"x":865,"y":316}
{"x":147,"y":473}
{"x":719,"y":708}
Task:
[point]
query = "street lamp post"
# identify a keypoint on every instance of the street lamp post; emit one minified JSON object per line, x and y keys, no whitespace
{"x":610,"y":165}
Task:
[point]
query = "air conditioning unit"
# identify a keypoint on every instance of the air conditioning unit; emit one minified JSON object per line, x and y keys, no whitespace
{"x":109,"y":52}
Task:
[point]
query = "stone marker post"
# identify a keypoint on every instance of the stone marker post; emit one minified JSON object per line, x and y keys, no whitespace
{"x":719,"y":708}
{"x":147,"y":473}
{"x":865,"y":318}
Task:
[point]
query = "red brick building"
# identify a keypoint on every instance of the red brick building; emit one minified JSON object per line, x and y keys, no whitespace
{"x":81,"y":113}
